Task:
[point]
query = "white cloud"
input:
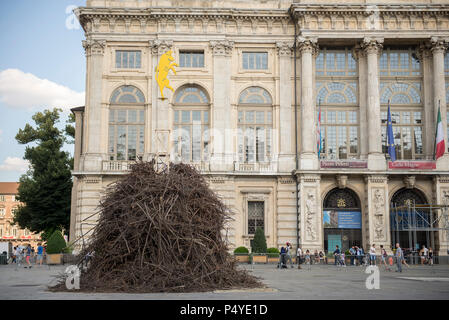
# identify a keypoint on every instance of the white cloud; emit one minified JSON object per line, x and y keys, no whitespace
{"x":14,"y":164}
{"x":24,"y":90}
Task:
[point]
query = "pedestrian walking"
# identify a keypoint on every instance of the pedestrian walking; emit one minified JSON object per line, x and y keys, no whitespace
{"x":383,"y":257}
{"x":28,"y":256}
{"x":372,"y":255}
{"x":336,"y":254}
{"x":353,"y":253}
{"x":424,"y":254}
{"x":298,"y":257}
{"x":399,"y":257}
{"x":13,"y":256}
{"x":40,"y":254}
{"x":431,"y":256}
{"x":18,"y":257}
{"x":288,"y":254}
{"x":360,"y":254}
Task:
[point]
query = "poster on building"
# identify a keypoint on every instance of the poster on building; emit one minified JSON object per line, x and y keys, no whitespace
{"x":342,"y":219}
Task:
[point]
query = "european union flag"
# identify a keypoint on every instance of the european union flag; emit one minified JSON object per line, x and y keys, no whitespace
{"x":390,"y":137}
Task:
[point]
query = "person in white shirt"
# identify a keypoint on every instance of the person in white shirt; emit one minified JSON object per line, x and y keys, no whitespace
{"x":298,"y":257}
{"x":372,"y":254}
{"x":424,"y":254}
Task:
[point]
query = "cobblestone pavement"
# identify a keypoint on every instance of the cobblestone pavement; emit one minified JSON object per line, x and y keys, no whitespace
{"x":318,"y":282}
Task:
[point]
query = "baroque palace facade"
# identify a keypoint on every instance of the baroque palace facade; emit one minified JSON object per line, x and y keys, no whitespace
{"x":251,"y":79}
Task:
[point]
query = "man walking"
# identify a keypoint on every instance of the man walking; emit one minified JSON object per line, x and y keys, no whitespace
{"x":336,"y":255}
{"x":353,"y":253}
{"x":399,"y":256}
{"x":298,"y":257}
{"x":289,"y":255}
{"x":372,"y":255}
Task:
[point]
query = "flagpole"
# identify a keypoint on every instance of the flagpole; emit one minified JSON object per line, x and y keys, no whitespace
{"x":436,"y":133}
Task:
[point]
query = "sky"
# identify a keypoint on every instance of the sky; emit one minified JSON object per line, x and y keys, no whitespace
{"x":42,"y":66}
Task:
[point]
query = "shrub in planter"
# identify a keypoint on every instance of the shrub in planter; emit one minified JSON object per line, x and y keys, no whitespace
{"x":56,"y":243}
{"x":273,"y":252}
{"x":259,"y":244}
{"x":241,"y":250}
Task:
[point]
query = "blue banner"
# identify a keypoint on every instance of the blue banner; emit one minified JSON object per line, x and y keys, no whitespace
{"x":342,"y":219}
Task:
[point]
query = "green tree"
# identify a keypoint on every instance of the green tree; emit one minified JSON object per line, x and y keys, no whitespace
{"x":259,"y":244}
{"x":45,"y":190}
{"x":56,"y":243}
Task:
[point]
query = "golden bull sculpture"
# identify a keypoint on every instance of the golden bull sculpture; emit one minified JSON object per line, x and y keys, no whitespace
{"x":163,"y":68}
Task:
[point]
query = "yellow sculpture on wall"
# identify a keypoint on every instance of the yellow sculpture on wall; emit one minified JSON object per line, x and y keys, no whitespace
{"x":165,"y":65}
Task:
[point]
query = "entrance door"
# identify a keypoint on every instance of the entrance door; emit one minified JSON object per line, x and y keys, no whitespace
{"x":342,"y":220}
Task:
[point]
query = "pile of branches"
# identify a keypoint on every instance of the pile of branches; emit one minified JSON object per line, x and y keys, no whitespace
{"x":161,"y":231}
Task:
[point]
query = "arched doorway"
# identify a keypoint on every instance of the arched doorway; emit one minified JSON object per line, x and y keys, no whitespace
{"x":411,"y":221}
{"x":342,"y":220}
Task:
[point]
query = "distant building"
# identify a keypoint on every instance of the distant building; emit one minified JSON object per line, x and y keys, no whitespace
{"x":8,"y":205}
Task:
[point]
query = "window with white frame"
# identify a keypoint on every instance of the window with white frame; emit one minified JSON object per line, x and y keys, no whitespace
{"x":255,"y":61}
{"x":191,"y":136}
{"x":255,"y":124}
{"x":2,"y":212}
{"x":2,"y":198}
{"x":401,"y":86}
{"x":337,"y":97}
{"x":126,"y":124}
{"x":191,"y":59}
{"x":126,"y":59}
{"x":256,"y":216}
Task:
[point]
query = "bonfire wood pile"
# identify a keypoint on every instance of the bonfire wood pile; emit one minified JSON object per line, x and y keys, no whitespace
{"x":161,"y":232}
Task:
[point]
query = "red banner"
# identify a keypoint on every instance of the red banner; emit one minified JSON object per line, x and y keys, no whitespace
{"x":413,"y":165}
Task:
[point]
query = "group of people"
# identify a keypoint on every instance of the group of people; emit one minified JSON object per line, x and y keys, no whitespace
{"x":27,"y":253}
{"x":357,"y":257}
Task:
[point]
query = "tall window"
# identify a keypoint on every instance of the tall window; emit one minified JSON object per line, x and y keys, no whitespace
{"x":401,"y":83}
{"x":255,"y":60}
{"x":255,"y":123}
{"x":128,"y":59}
{"x":2,"y":198}
{"x":191,"y":137}
{"x":337,"y":94}
{"x":126,"y":124}
{"x":191,"y":59}
{"x":2,"y":212}
{"x":256,"y":216}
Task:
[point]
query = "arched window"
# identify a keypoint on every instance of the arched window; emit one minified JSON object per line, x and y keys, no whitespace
{"x":126,"y":124}
{"x":338,"y":100}
{"x":255,"y":123}
{"x":191,"y":137}
{"x":405,"y":100}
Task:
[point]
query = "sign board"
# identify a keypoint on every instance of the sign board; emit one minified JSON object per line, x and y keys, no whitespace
{"x":407,"y":165}
{"x":326,"y":164}
{"x":342,"y":219}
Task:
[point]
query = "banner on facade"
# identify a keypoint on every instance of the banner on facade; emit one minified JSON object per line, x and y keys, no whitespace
{"x":342,"y":219}
{"x":325,"y":164}
{"x":423,"y":165}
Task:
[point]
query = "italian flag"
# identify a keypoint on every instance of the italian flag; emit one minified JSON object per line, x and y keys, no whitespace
{"x":439,"y":143}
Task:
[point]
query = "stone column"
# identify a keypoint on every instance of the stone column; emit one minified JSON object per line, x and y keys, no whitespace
{"x":222,"y":158}
{"x":376,"y":160}
{"x":308,"y":156}
{"x":286,"y":155}
{"x":439,"y":92}
{"x":376,"y":216}
{"x":94,"y":89}
{"x":425,"y":57}
{"x":160,"y":107}
{"x":360,"y":56}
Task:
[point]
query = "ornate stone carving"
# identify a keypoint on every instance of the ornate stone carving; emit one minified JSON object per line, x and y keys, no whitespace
{"x":409,"y":182}
{"x":438,"y":44}
{"x":284,"y":48}
{"x":445,"y":222}
{"x":159,"y":47}
{"x":372,"y":45}
{"x":310,"y":214}
{"x":222,"y":47}
{"x":379,"y":211}
{"x":94,"y":47}
{"x":308,"y":45}
{"x":342,"y":181}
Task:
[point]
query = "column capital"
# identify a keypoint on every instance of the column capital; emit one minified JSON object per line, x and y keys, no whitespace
{"x":358,"y":52}
{"x":438,"y":45}
{"x":159,"y":47}
{"x":221,"y":47}
{"x":94,"y":47}
{"x":424,"y":51}
{"x":308,"y":44}
{"x":284,"y":48}
{"x":372,"y":45}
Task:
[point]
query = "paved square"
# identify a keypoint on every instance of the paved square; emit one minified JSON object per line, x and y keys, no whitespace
{"x":320,"y":282}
